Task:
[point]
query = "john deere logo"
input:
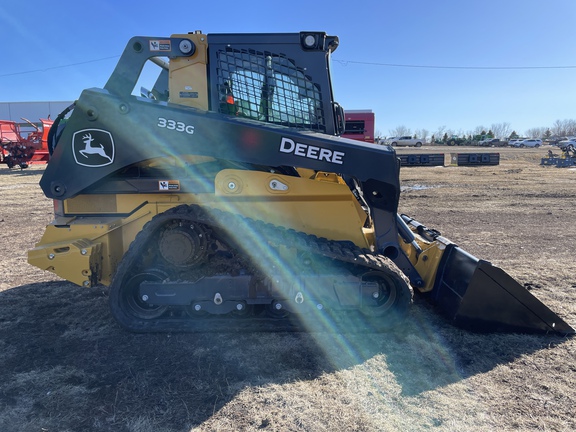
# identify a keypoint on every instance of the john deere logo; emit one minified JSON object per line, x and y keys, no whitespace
{"x":93,"y":148}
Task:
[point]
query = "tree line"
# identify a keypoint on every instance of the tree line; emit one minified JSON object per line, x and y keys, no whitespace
{"x":504,"y":131}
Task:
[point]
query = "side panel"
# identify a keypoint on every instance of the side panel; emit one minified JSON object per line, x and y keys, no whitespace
{"x":85,"y":247}
{"x":188,"y":82}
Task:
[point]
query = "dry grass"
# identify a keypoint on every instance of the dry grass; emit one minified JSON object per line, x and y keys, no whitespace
{"x":66,"y":366}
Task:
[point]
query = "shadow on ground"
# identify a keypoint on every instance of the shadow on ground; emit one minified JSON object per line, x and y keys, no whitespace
{"x":66,"y":365}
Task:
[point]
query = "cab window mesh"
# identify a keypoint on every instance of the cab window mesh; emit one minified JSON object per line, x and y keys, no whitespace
{"x":269,"y":88}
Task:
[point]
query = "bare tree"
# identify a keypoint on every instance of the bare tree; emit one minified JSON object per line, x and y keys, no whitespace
{"x":479,"y":130}
{"x":537,"y":132}
{"x":500,"y":130}
{"x":443,"y":133}
{"x":400,"y":131}
{"x":440,"y":131}
{"x":565,"y":127}
{"x":422,"y":134}
{"x":558,"y":128}
{"x":460,"y":133}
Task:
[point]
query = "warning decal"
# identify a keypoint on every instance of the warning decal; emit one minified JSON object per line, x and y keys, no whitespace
{"x":169,"y":185}
{"x":160,"y":45}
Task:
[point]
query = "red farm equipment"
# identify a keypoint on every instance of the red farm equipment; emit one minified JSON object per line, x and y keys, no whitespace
{"x":19,"y":151}
{"x":359,"y":125}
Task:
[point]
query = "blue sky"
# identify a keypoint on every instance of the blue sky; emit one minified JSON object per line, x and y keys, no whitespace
{"x":50,"y":52}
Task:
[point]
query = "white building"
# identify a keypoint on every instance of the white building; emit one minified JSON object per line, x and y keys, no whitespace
{"x":33,"y":111}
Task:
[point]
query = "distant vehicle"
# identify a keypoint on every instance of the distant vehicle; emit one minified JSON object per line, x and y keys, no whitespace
{"x":528,"y":143}
{"x":554,"y":140}
{"x":406,"y":141}
{"x":491,"y":142}
{"x":566,"y":142}
{"x":456,"y":140}
{"x":514,"y":141}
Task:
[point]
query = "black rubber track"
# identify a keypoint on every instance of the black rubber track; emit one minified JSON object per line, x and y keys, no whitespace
{"x":348,"y":254}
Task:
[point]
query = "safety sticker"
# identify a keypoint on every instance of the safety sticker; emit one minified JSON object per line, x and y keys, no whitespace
{"x":160,"y":45}
{"x":169,"y":185}
{"x":191,"y":95}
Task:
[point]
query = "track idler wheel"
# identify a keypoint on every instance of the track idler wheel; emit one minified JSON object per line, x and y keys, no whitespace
{"x":126,"y":304}
{"x":386,"y":297}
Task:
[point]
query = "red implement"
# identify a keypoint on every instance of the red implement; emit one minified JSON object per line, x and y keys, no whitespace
{"x":19,"y":151}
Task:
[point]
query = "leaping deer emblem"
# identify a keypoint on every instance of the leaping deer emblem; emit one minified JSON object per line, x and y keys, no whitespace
{"x":87,"y":139}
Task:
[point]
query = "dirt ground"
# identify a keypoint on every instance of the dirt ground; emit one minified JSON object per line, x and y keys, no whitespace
{"x":65,"y":365}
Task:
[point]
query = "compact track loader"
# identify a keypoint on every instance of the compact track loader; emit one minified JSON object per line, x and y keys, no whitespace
{"x":224,"y":198}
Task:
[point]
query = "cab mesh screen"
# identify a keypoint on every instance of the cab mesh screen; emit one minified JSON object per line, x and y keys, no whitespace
{"x":269,"y":88}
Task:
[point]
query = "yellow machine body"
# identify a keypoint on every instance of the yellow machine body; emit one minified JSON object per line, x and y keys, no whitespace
{"x":87,"y":249}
